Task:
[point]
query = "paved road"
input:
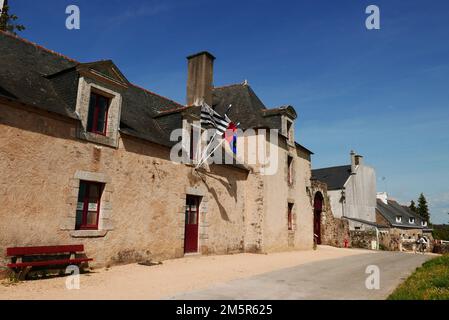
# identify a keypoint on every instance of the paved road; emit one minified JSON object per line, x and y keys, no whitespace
{"x":342,"y":278}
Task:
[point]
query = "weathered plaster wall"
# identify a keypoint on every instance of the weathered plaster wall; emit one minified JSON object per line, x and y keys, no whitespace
{"x":142,"y":206}
{"x":360,"y":197}
{"x":278,"y":194}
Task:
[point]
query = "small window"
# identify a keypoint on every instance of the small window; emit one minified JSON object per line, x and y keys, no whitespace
{"x":289,"y":128}
{"x":411,"y":220}
{"x":398,"y":219}
{"x":98,"y":114}
{"x":88,"y":206}
{"x":192,"y":144}
{"x":290,"y":170}
{"x":290,"y":216}
{"x":424,"y":223}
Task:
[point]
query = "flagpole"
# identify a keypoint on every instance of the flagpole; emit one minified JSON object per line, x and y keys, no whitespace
{"x":205,"y":150}
{"x":210,"y":154}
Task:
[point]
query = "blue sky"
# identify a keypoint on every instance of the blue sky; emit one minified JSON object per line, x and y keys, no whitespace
{"x":383,"y":93}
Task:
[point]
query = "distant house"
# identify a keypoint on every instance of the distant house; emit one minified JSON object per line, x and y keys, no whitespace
{"x":352,"y":191}
{"x":399,"y":219}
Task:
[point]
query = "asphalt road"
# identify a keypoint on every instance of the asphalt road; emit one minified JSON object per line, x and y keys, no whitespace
{"x":343,"y":278}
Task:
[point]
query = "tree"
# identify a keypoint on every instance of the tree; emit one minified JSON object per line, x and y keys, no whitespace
{"x":412,"y":206}
{"x":423,"y":209}
{"x":7,"y":20}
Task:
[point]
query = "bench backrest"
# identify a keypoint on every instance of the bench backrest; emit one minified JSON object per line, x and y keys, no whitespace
{"x":24,"y":251}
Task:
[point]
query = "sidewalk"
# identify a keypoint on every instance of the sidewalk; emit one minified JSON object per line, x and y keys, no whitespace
{"x":172,"y":277}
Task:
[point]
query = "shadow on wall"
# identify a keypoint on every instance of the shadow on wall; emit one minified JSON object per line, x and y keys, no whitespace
{"x":229,"y":181}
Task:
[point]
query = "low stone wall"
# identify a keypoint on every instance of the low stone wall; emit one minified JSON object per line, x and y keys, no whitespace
{"x":362,"y":239}
{"x":441,"y":248}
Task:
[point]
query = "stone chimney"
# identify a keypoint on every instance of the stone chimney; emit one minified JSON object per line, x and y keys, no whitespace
{"x":353,"y":165}
{"x":200,"y":76}
{"x":358,"y":160}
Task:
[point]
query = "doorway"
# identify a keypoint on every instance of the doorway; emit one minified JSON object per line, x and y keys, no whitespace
{"x":317,"y":210}
{"x":191,"y":228}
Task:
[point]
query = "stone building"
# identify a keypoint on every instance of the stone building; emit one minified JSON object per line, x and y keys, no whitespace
{"x":85,"y":159}
{"x":402,"y":227}
{"x":352,"y":191}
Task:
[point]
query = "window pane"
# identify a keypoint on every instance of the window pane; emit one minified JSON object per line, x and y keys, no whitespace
{"x":79,"y":219}
{"x":102,"y":105}
{"x":90,"y":118}
{"x":91,"y":218}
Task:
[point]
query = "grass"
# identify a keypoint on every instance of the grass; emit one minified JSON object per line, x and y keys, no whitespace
{"x":429,"y":282}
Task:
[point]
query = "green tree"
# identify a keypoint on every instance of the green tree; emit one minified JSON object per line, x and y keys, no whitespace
{"x":423,"y":209}
{"x":8,"y":20}
{"x":412,"y":206}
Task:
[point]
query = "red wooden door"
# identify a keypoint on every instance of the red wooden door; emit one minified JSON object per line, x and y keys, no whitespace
{"x":191,"y":230}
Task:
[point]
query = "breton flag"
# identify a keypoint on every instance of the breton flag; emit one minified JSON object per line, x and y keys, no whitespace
{"x":211,"y":117}
{"x":231,"y":135}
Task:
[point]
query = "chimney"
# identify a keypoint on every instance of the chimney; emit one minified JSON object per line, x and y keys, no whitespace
{"x":382,"y":196}
{"x":358,"y":160}
{"x":353,"y":164}
{"x":200,"y":75}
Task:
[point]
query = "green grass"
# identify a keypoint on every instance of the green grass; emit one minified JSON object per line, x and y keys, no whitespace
{"x":429,"y":282}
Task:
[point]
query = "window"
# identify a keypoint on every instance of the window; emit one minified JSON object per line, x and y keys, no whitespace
{"x":398,"y":219}
{"x":98,"y":114}
{"x":88,"y":206}
{"x":290,"y":216}
{"x":290,"y":170}
{"x":192,"y":144}
{"x":411,"y":220}
{"x":289,"y":130}
{"x":424,"y":223}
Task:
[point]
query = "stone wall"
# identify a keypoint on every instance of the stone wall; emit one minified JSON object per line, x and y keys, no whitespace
{"x":334,"y":231}
{"x":142,"y":215}
{"x":143,"y":203}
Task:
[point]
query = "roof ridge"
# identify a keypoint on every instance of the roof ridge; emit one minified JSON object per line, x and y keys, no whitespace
{"x":151,"y":92}
{"x":230,"y":85}
{"x":37,"y":46}
{"x":345,"y":165}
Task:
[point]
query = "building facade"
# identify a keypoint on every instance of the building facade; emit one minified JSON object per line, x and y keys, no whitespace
{"x":85,"y":158}
{"x":352,"y":191}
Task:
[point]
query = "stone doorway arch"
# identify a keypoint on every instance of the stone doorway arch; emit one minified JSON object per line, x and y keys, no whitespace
{"x":317,"y":211}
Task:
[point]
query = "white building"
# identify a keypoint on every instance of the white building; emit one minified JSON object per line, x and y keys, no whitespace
{"x":352,"y":191}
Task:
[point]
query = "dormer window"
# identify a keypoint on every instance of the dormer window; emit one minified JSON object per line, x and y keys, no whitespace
{"x":97,"y":120}
{"x":398,"y":219}
{"x":424,"y":223}
{"x":411,"y":220}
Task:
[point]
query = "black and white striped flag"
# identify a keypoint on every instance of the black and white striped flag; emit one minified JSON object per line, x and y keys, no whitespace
{"x":211,"y":117}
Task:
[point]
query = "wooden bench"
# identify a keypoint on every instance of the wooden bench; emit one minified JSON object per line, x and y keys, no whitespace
{"x":18,"y":253}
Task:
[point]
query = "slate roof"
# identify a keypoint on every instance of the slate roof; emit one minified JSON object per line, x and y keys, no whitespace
{"x":334,"y":177}
{"x":393,"y":209}
{"x":47,"y":80}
